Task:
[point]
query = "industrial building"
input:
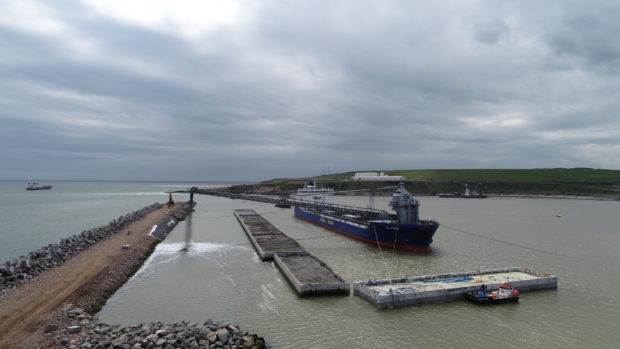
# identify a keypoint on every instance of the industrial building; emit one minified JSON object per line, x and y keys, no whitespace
{"x":376,"y":176}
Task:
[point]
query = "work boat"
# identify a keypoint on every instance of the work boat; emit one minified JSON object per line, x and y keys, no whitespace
{"x":403,"y":230}
{"x":505,"y":294}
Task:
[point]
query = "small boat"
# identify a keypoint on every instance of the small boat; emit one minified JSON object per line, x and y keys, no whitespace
{"x":505,"y":294}
{"x":37,"y":186}
{"x":283,"y":203}
{"x":468,"y":194}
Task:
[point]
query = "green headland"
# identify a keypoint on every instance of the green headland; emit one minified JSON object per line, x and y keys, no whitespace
{"x":544,"y":181}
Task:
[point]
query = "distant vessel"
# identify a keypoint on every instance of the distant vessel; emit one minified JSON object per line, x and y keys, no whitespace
{"x":283,"y":203}
{"x":468,"y":194}
{"x":310,"y":192}
{"x":37,"y":186}
{"x":505,"y":294}
{"x":403,"y":230}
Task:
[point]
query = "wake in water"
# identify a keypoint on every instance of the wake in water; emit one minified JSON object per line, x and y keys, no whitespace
{"x":191,"y":247}
{"x":166,"y":253}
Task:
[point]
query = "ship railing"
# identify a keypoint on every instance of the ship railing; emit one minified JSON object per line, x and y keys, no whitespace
{"x":365,"y":213}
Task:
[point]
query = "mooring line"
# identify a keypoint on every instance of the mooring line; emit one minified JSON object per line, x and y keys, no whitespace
{"x":382,"y":258}
{"x":506,"y":242}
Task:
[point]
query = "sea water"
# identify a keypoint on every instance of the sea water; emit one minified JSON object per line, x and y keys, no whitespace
{"x":32,"y":219}
{"x":206,"y":268}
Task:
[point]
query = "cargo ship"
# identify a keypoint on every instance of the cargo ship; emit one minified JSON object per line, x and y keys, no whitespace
{"x":403,"y":230}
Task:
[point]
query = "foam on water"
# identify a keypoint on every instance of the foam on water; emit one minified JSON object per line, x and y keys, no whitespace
{"x":166,"y":253}
{"x":192,"y":247}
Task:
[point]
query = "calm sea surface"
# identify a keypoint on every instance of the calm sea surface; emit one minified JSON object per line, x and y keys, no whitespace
{"x":221,"y":277}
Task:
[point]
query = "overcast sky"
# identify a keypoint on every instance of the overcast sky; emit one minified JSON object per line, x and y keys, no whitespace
{"x":251,"y":90}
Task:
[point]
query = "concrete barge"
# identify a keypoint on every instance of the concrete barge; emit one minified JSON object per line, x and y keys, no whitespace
{"x":440,"y":288}
{"x":307,"y":274}
{"x":266,"y":238}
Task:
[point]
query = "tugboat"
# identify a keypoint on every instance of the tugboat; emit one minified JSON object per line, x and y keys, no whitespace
{"x":505,"y":294}
{"x":36,"y":186}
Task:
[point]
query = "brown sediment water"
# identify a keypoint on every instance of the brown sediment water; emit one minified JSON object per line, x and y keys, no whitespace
{"x":221,"y":275}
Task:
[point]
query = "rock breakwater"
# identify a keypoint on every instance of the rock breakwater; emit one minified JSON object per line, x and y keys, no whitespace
{"x":77,"y":329}
{"x":93,"y":295}
{"x":23,"y":268}
{"x":83,"y":271}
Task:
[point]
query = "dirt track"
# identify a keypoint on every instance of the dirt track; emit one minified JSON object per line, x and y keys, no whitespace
{"x":24,"y":309}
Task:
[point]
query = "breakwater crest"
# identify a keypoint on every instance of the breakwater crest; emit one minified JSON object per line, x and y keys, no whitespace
{"x":23,"y":268}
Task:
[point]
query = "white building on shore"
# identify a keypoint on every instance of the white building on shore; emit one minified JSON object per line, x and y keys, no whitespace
{"x":376,"y":176}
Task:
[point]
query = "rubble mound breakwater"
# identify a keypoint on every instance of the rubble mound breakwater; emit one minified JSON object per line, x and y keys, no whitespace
{"x":85,"y":331}
{"x":23,"y":268}
{"x":46,"y":324}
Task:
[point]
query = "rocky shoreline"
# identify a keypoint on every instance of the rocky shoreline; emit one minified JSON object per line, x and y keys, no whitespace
{"x":20,"y":269}
{"x":81,"y":330}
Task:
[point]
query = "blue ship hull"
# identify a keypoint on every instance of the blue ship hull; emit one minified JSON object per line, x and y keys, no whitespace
{"x":410,"y":237}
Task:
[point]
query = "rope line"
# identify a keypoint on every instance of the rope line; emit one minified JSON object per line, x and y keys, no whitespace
{"x":506,"y":242}
{"x":382,"y":258}
{"x":394,"y":248}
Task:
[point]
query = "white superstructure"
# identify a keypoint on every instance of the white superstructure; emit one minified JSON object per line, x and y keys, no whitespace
{"x":310,"y":192}
{"x":376,"y":176}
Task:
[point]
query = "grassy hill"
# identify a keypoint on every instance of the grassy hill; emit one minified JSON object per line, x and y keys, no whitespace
{"x":543,"y":175}
{"x":544,"y":181}
{"x":564,"y":181}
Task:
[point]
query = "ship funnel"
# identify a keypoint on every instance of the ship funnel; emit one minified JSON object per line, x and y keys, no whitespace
{"x":405,"y":205}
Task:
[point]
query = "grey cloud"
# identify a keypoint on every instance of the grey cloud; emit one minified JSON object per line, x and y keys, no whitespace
{"x":491,"y":32}
{"x":590,"y":33}
{"x":299,"y":87}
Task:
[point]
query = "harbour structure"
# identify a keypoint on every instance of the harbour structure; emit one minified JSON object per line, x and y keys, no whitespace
{"x":439,"y":288}
{"x":307,"y":274}
{"x":403,"y":230}
{"x":375,"y":177}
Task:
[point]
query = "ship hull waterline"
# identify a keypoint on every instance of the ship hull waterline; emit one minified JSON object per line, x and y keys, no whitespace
{"x":408,"y":237}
